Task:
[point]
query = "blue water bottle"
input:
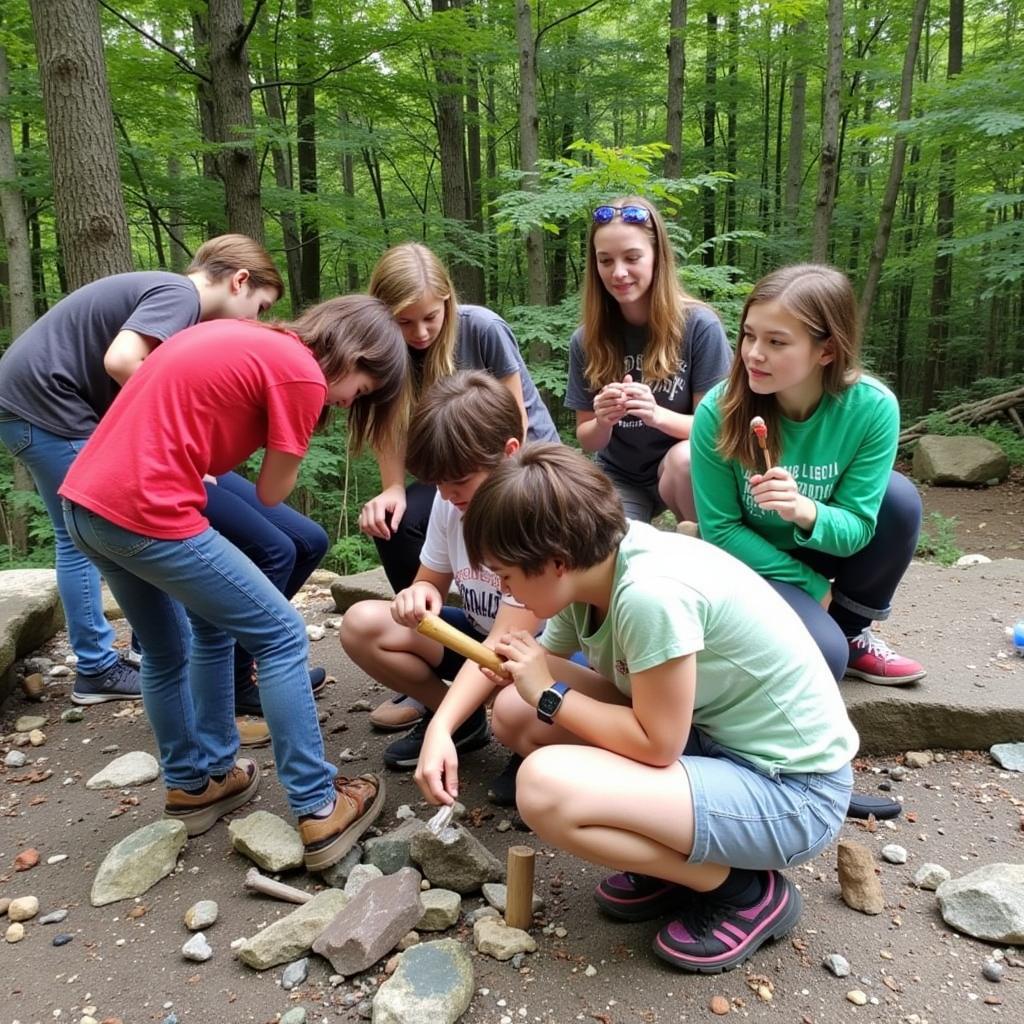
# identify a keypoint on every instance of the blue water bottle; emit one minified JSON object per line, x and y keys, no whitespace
{"x":1018,"y":639}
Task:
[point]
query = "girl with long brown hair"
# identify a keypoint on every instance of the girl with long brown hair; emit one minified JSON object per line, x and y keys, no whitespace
{"x":642,"y":360}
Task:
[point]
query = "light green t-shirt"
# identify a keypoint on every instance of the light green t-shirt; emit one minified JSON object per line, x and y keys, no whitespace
{"x":763,"y":687}
{"x":840,"y":457}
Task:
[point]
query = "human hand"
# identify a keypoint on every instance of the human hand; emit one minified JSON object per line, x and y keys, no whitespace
{"x":526,"y":662}
{"x":640,"y":402}
{"x":776,"y":491}
{"x":437,"y":771}
{"x":411,"y":604}
{"x":610,"y":404}
{"x":373,"y":518}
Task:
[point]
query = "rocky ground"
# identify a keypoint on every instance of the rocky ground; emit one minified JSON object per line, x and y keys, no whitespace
{"x":124,"y":962}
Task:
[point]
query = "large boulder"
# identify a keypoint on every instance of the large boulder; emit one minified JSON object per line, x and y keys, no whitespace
{"x":959,"y":461}
{"x":987,"y":903}
{"x":364,"y":586}
{"x":30,"y":613}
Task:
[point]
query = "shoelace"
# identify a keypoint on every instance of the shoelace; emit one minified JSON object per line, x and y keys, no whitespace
{"x":875,"y":645}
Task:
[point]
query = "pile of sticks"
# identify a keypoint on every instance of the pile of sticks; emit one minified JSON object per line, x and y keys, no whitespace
{"x":1009,"y":405}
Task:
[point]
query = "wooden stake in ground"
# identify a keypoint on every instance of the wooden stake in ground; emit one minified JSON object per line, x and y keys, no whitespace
{"x":519,"y":893}
{"x":437,"y":629}
{"x":760,"y":429}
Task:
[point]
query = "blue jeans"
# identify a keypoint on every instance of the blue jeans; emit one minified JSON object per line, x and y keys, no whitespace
{"x":226,"y":599}
{"x":285,"y":545}
{"x":48,"y":458}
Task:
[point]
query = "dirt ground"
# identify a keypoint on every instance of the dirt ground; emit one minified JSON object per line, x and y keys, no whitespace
{"x":124,"y":960}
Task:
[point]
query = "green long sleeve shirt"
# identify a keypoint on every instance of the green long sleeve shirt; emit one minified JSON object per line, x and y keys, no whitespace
{"x":840,"y":457}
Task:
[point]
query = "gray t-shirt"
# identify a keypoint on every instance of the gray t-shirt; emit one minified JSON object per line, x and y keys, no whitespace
{"x":53,"y":375}
{"x":486,"y":342}
{"x":635,"y":449}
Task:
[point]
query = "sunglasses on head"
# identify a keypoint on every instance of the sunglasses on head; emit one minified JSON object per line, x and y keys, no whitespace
{"x":629,"y":214}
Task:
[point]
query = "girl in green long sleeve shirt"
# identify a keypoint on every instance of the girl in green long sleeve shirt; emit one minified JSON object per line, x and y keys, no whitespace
{"x":827,"y":522}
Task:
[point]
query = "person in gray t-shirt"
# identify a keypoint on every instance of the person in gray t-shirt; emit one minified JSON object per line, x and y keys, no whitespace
{"x":62,"y":374}
{"x":645,"y":356}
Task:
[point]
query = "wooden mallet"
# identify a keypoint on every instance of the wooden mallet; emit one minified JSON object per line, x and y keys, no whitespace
{"x":760,"y":429}
{"x":437,"y":629}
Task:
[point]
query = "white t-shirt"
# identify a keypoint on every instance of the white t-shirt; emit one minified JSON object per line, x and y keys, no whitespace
{"x":444,"y":550}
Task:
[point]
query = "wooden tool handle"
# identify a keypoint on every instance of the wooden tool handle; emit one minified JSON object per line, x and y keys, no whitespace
{"x":519,"y":893}
{"x":452,"y":638}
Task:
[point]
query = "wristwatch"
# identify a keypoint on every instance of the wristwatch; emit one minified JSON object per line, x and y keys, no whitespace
{"x":550,"y":701}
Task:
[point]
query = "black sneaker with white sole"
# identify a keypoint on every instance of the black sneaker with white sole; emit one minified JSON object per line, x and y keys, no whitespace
{"x":119,"y":682}
{"x":405,"y":751}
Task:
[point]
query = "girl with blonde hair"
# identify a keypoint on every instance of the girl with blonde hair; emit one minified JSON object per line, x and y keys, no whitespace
{"x":642,"y":360}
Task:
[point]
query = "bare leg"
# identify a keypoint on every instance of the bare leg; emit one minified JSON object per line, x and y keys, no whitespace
{"x":393,"y":655}
{"x":610,"y":810}
{"x":675,"y":484}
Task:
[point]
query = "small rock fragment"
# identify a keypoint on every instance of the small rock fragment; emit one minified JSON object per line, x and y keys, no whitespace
{"x":62,"y":938}
{"x":53,"y":917}
{"x":15,"y":932}
{"x":493,"y":937}
{"x":295,"y":974}
{"x":719,"y":1005}
{"x":861,"y":890}
{"x":201,"y":915}
{"x":197,"y":948}
{"x":918,"y":758}
{"x":856,"y":997}
{"x":24,"y":908}
{"x":894,"y":854}
{"x":993,"y":971}
{"x":26,"y":860}
{"x":931,"y":876}
{"x":837,"y":964}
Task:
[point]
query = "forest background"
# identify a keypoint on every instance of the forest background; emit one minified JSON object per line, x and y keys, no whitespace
{"x":883,"y":138}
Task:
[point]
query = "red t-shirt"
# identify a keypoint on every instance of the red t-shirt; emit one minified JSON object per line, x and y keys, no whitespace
{"x":201,"y":403}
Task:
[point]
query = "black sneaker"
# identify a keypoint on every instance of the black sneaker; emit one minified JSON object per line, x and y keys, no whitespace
{"x":502,"y":790}
{"x":405,"y":751}
{"x":247,"y":693}
{"x":119,"y":682}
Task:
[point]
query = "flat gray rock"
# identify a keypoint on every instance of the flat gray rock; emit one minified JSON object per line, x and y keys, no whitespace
{"x":455,"y":860}
{"x":390,"y":852}
{"x":359,"y":876}
{"x":987,"y":903}
{"x":268,"y":841}
{"x":30,"y":613}
{"x":493,"y":937}
{"x":433,"y":982}
{"x":363,"y":586}
{"x":337,"y":874}
{"x":441,"y":908}
{"x":1009,"y":756}
{"x":371,"y":923}
{"x":496,"y":894}
{"x":133,"y":769}
{"x":292,"y":936}
{"x":138,"y":862}
{"x":958,"y":461}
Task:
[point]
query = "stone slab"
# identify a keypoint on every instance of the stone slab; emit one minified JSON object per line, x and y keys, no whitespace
{"x":953,"y":622}
{"x":30,"y":613}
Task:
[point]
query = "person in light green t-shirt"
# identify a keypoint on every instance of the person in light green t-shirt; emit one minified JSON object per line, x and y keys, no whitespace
{"x":827,"y":522}
{"x":705,"y":749}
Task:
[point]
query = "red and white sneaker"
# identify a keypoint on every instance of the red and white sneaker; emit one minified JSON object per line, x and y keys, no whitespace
{"x":874,"y":661}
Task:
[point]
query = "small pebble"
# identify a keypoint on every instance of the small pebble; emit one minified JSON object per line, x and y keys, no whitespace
{"x":15,"y":759}
{"x":315,"y":633}
{"x":364,"y":1009}
{"x":15,"y":932}
{"x":719,"y":1005}
{"x":405,"y":812}
{"x":993,"y":971}
{"x":72,"y":715}
{"x":518,"y":960}
{"x":171,"y":1018}
{"x":361,"y":705}
{"x":37,"y":737}
{"x":60,"y":671}
{"x":897,"y":773}
{"x":62,"y":938}
{"x":894,"y":854}
{"x":590,"y":971}
{"x":857,"y":997}
{"x":54,"y":917}
{"x":296,"y":1015}
{"x":197,"y":948}
{"x":201,"y":915}
{"x":57,"y":858}
{"x":885,"y":786}
{"x":837,"y":964}
{"x":295,"y":974}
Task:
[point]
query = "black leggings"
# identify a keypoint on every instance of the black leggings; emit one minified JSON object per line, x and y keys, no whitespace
{"x":863,"y":583}
{"x":400,"y":555}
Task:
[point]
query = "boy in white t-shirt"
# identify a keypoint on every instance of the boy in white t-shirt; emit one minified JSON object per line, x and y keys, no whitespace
{"x":463,"y":427}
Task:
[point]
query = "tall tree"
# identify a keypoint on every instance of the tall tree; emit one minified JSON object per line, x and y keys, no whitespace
{"x":828,"y":166}
{"x":797,"y":120}
{"x":710,"y":113}
{"x":895,"y":179}
{"x":87,"y":193}
{"x":536,"y":285}
{"x":305,"y":115}
{"x":942,"y":276}
{"x":676,"y":88}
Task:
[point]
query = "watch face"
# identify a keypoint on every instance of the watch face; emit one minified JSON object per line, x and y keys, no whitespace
{"x":549,"y":702}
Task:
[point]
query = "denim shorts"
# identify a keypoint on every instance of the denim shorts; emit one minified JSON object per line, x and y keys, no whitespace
{"x":746,"y":818}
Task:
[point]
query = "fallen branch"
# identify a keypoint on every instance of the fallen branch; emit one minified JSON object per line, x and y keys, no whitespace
{"x":983,"y":411}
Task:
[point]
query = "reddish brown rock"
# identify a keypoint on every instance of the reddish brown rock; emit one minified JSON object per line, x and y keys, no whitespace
{"x":860,"y":887}
{"x":26,"y":860}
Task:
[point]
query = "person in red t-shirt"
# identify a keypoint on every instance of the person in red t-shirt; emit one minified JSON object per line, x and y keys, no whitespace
{"x":133,"y":503}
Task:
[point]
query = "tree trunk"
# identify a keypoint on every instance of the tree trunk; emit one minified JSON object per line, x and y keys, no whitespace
{"x":305,"y":114}
{"x":676,"y":88}
{"x":536,"y":286}
{"x":348,"y":183}
{"x":217,"y":225}
{"x":558,"y":279}
{"x":710,"y":111}
{"x":894,"y":181}
{"x":230,"y":113}
{"x":730,"y":135}
{"x":942,"y":278}
{"x":828,"y":168}
{"x":797,"y":120}
{"x":91,"y":218}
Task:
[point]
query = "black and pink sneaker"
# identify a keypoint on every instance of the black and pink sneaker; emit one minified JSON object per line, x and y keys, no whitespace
{"x":710,"y":936}
{"x":632,"y":897}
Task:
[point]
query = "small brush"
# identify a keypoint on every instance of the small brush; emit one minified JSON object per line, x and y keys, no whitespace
{"x":760,"y":429}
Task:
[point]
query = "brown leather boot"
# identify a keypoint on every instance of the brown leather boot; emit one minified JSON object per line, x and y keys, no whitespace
{"x":201,"y":811}
{"x":357,"y":803}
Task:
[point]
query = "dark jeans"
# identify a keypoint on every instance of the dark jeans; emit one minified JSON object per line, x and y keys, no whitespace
{"x":863,"y":583}
{"x":285,"y":545}
{"x":400,"y":555}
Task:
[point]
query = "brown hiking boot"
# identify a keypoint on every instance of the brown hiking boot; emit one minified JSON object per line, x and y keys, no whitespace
{"x":201,"y":811}
{"x":252,"y":732}
{"x":357,"y":803}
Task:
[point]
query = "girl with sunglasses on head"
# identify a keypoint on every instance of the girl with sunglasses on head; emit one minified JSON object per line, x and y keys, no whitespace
{"x":829,"y":525}
{"x":642,"y":360}
{"x":442,"y":337}
{"x":133,"y":504}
